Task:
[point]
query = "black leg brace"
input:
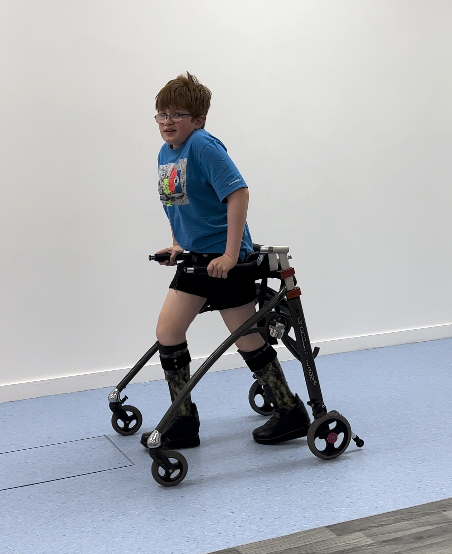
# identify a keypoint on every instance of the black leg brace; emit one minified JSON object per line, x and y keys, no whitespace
{"x":264,"y":363}
{"x":175,"y":362}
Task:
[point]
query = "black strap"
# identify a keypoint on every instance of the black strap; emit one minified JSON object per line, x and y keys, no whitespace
{"x":259,"y":358}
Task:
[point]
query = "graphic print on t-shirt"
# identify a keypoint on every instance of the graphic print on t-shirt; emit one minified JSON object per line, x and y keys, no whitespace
{"x":173,"y":183}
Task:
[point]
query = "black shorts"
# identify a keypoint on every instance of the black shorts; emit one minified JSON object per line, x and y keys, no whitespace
{"x":236,"y":290}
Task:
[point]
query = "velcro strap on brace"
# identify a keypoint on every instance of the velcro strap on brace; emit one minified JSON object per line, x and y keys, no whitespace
{"x":175,"y":362}
{"x":259,"y":360}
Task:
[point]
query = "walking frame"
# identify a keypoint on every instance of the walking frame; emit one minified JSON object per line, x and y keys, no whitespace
{"x":329,"y":434}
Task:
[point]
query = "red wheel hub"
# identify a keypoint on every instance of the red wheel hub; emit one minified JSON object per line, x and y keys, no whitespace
{"x":332,"y":438}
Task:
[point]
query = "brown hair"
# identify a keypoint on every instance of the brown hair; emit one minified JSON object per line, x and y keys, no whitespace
{"x":184,"y":92}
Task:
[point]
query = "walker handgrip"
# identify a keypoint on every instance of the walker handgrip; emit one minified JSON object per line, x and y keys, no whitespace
{"x":196,"y":270}
{"x":166,"y":257}
{"x":202,"y":270}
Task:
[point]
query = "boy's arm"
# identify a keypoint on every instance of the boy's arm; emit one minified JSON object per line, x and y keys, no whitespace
{"x":237,"y":211}
{"x":172,"y":251}
{"x":175,"y":251}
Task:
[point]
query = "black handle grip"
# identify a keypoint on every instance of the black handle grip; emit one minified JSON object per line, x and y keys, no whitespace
{"x":202,"y":270}
{"x":196,"y":270}
{"x":166,"y":257}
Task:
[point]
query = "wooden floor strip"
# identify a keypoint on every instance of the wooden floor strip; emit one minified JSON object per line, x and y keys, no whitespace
{"x":424,"y":529}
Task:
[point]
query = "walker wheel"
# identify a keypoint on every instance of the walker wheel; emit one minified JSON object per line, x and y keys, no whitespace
{"x":262,"y":407}
{"x":163,"y":476}
{"x":329,"y":435}
{"x":131,"y":426}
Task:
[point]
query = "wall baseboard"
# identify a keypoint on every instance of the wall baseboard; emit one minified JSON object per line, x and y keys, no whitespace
{"x":153,"y":372}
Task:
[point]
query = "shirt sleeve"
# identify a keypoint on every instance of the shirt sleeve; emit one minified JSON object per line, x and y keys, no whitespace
{"x":220,"y":171}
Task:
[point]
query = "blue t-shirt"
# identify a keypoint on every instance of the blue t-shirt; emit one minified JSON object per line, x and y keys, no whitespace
{"x":194,"y":182}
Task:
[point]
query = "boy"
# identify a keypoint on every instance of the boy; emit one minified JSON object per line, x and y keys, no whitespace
{"x":206,"y":201}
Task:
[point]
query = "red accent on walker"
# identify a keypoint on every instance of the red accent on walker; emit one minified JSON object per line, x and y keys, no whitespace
{"x":295,"y":293}
{"x":289,"y":272}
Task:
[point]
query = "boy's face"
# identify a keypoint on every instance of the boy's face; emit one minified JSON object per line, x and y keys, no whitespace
{"x":175,"y":134}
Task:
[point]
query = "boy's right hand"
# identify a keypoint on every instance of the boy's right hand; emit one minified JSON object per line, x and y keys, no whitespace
{"x":173,"y":251}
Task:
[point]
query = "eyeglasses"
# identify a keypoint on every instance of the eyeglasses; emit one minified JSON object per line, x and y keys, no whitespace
{"x":175,"y":117}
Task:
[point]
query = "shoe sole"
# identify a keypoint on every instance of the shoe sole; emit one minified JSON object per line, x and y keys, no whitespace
{"x":190,"y":442}
{"x":298,"y":433}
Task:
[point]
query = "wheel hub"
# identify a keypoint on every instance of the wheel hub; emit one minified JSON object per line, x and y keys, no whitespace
{"x":332,"y":438}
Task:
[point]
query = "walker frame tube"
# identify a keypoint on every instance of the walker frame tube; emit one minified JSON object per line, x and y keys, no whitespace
{"x":114,"y":398}
{"x":306,"y":357}
{"x":137,"y":367}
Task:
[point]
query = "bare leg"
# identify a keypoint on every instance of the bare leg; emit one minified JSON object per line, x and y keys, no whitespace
{"x":234,"y":317}
{"x":177,"y":313}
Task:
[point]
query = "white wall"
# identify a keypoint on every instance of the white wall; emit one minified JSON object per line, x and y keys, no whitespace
{"x":338,"y":114}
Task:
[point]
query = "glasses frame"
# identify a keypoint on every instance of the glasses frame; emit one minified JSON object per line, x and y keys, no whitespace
{"x":168,"y":116}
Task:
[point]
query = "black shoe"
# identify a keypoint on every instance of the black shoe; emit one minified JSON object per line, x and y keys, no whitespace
{"x":183,"y":432}
{"x":284,"y":425}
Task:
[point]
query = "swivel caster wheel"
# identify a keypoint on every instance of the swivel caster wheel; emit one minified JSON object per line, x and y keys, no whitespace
{"x":133,"y":423}
{"x":329,"y":436}
{"x":167,"y":478}
{"x":262,"y":407}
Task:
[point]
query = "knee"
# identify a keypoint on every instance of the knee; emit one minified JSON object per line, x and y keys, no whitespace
{"x":169,"y":334}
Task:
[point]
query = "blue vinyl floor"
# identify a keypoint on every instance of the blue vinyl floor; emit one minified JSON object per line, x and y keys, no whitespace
{"x":70,"y":484}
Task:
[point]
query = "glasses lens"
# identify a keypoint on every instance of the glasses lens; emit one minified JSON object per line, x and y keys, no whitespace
{"x":175,"y":117}
{"x":160,"y":118}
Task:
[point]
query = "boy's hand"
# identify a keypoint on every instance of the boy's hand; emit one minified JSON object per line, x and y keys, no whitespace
{"x":173,"y":251}
{"x":219,"y":267}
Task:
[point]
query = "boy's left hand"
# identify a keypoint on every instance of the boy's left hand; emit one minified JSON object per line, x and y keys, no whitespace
{"x":219,"y":267}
